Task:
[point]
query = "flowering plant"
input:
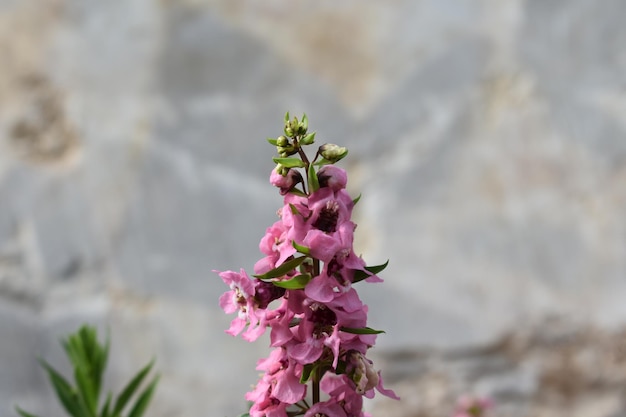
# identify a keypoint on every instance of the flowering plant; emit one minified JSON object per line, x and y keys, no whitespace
{"x":302,"y":290}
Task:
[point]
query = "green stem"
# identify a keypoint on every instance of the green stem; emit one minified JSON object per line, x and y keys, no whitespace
{"x":316,"y":387}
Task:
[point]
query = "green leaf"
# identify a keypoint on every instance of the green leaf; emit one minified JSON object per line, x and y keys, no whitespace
{"x":287,"y":117}
{"x":282,"y":269}
{"x":86,"y":389}
{"x":245,"y":415}
{"x":130,"y":388}
{"x":356,"y":200}
{"x":375,"y":269}
{"x":360,"y":330}
{"x":314,"y":184}
{"x":144,"y":399}
{"x":290,"y":162}
{"x":83,"y":349}
{"x":272,"y":141}
{"x":67,"y":395}
{"x":302,"y":249}
{"x":23,"y":413}
{"x":295,"y":283}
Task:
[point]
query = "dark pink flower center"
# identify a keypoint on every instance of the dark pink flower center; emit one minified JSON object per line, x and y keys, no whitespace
{"x":327,"y":219}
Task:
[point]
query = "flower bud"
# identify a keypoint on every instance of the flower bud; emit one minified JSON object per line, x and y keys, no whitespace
{"x":285,"y":179}
{"x":332,"y":177}
{"x":282,"y":141}
{"x":332,"y":152}
{"x":289,"y":130}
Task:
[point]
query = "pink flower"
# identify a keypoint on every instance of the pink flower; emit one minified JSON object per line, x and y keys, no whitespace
{"x":340,"y":389}
{"x":240,"y":299}
{"x":329,"y":209}
{"x":281,"y":381}
{"x":327,"y":409}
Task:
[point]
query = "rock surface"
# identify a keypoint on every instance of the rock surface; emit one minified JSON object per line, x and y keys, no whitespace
{"x":487,"y":139}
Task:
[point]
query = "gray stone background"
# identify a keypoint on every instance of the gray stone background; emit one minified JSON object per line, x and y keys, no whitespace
{"x":488,"y":139}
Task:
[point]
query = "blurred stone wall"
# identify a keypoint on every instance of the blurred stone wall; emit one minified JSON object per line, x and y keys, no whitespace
{"x":488,"y":139}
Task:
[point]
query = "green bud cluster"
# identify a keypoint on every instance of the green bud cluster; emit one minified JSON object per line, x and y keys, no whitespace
{"x":296,"y":135}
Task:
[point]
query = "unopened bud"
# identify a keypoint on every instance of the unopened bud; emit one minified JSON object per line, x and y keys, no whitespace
{"x":282,"y":170}
{"x":282,"y":141}
{"x":332,"y":152}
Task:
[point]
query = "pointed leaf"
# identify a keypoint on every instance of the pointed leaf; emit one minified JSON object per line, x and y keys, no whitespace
{"x":290,"y":162}
{"x":300,"y":248}
{"x":130,"y":388}
{"x":144,"y":399}
{"x":375,"y":269}
{"x":361,"y":330}
{"x":86,"y":388}
{"x":356,"y":200}
{"x":282,"y":269}
{"x":287,"y":117}
{"x":23,"y":413}
{"x":295,"y":283}
{"x":67,"y":395}
{"x":314,"y":184}
{"x":272,"y":141}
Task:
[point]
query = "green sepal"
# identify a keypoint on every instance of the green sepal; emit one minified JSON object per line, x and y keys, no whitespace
{"x":302,"y":249}
{"x":273,"y":141}
{"x":297,"y":192}
{"x":356,"y":200}
{"x":24,"y":413}
{"x":282,"y":269}
{"x":144,"y":399}
{"x":323,"y":161}
{"x":304,"y":122}
{"x":296,"y":283}
{"x":360,"y":275}
{"x":287,"y":117}
{"x":130,"y":388}
{"x":308,"y":139}
{"x":361,"y":330}
{"x":314,"y":183}
{"x":245,"y":415}
{"x":294,"y":210}
{"x":290,"y":162}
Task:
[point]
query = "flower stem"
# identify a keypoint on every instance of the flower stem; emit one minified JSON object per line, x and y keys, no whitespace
{"x":316,"y":386}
